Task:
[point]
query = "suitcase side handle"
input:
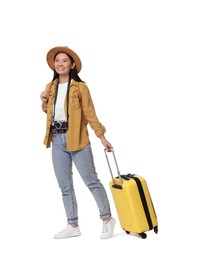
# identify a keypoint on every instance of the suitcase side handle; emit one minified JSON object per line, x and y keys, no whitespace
{"x":115,"y":160}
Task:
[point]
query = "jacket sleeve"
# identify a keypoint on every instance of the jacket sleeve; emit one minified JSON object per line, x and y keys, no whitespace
{"x":89,"y":111}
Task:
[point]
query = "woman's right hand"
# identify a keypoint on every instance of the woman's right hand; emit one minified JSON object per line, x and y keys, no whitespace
{"x":45,"y":96}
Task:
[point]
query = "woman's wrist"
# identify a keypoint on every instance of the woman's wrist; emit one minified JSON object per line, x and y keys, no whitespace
{"x":102,"y":137}
{"x":44,"y":103}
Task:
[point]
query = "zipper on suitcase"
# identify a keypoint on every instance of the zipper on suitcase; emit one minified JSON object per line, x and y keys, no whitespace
{"x":143,"y":199}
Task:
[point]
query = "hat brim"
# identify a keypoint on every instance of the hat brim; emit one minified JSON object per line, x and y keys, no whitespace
{"x":52,"y":53}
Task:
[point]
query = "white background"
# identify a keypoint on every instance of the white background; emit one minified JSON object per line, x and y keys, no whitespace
{"x":141,"y":61}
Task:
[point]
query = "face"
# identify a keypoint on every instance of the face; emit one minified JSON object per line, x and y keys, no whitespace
{"x":63,"y":64}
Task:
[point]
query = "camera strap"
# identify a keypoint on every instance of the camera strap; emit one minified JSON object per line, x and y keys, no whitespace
{"x":55,"y":100}
{"x":67,"y":98}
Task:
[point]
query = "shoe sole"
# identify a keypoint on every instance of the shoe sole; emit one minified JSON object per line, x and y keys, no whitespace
{"x":75,"y":235}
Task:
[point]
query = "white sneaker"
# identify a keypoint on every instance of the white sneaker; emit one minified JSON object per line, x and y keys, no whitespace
{"x":108,"y":228}
{"x":69,"y":231}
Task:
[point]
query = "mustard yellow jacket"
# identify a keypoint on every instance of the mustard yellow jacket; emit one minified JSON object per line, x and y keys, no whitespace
{"x":77,"y":136}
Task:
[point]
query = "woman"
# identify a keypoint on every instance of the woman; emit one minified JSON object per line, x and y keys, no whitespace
{"x":69,"y":107}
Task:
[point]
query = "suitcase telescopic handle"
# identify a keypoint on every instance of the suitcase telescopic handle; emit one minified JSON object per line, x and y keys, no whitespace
{"x":115,"y":160}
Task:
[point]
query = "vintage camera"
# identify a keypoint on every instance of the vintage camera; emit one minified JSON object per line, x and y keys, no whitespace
{"x":61,"y":125}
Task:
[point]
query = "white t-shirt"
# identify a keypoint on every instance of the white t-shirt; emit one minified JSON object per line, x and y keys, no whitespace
{"x":60,"y":103}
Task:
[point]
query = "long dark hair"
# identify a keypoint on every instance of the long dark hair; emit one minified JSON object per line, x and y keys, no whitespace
{"x":73,"y":74}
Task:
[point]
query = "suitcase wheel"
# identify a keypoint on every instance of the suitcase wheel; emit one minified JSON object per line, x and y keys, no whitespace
{"x":143,"y":235}
{"x":156,"y":229}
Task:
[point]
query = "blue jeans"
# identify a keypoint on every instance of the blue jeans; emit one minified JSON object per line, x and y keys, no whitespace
{"x":83,"y":160}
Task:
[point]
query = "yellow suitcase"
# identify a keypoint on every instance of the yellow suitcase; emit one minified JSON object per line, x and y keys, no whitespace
{"x":133,"y":202}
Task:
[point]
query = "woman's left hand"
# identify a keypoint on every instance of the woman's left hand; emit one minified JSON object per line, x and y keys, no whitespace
{"x":106,"y":144}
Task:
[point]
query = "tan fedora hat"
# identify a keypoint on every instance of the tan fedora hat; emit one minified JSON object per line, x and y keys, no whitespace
{"x":52,"y":53}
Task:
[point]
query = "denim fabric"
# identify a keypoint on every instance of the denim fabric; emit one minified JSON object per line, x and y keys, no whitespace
{"x":83,"y":160}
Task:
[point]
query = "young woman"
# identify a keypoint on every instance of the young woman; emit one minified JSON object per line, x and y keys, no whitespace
{"x":69,"y":107}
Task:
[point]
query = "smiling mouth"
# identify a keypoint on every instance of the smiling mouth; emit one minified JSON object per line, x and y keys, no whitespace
{"x":60,"y":68}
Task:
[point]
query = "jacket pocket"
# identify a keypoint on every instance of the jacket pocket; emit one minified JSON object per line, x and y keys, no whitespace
{"x":74,"y":101}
